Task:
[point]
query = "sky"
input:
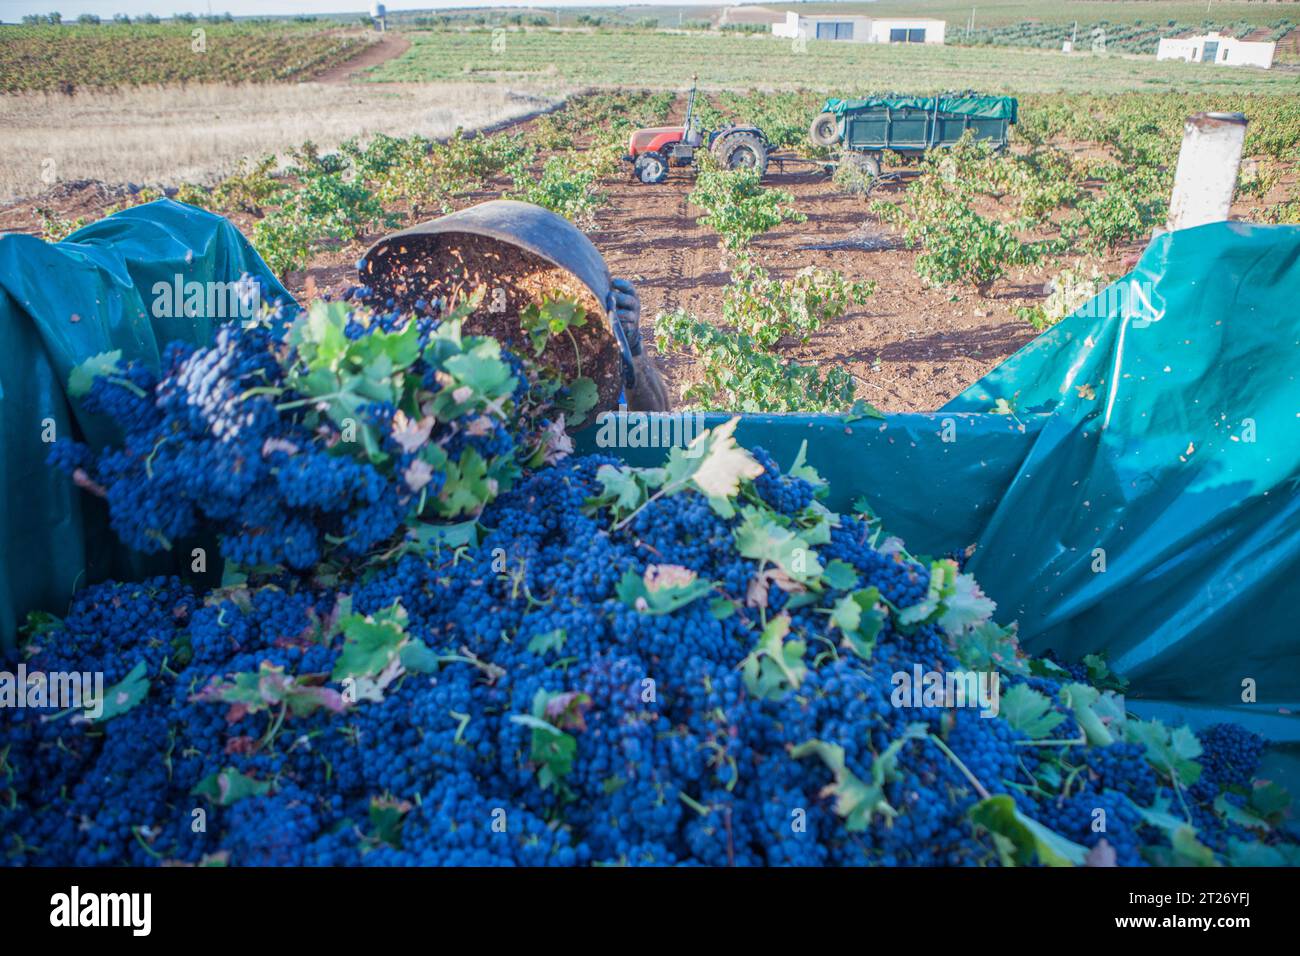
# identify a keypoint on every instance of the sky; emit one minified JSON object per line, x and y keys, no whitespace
{"x":12,"y":11}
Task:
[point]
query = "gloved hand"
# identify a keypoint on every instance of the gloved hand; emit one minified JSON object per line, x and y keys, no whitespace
{"x":642,"y":383}
{"x":627,"y":312}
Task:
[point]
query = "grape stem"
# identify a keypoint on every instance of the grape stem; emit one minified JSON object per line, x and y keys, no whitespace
{"x":974,"y":781}
{"x":275,"y":726}
{"x":577,"y":354}
{"x":665,"y":490}
{"x":694,"y":804}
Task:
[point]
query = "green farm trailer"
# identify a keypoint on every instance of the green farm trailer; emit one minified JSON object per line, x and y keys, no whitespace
{"x":865,"y":128}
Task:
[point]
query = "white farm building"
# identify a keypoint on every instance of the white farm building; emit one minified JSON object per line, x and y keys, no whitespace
{"x":857,"y":29}
{"x":1213,"y":48}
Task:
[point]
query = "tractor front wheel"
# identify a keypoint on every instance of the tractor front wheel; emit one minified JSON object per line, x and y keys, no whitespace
{"x":825,"y":129}
{"x":744,"y":151}
{"x":650,"y":168}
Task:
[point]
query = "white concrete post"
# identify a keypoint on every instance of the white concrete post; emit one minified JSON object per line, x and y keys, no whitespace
{"x":1206,"y":176}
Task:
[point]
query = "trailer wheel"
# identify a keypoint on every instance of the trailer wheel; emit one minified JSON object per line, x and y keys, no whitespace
{"x":866,"y":163}
{"x":744,"y":151}
{"x":651,"y":168}
{"x":825,"y":129}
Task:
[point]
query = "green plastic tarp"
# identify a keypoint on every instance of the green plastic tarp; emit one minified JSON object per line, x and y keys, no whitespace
{"x":59,"y":304}
{"x":1139,"y":496}
{"x":1156,"y":515}
{"x":985,"y":107}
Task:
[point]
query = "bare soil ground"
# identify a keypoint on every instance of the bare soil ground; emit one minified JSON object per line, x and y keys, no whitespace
{"x":912,"y":348}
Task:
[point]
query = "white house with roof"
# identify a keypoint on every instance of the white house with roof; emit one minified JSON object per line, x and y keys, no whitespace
{"x":859,"y":29}
{"x":1221,"y":50}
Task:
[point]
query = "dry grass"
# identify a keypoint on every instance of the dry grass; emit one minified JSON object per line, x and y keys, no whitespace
{"x":165,"y":136}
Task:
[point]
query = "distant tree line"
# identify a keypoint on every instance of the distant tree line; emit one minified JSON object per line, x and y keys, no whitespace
{"x":56,"y":18}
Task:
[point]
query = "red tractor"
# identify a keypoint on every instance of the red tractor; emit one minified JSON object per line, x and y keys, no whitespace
{"x":652,"y":151}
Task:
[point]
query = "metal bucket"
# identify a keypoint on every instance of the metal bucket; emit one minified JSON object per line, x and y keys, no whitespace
{"x":536,"y":230}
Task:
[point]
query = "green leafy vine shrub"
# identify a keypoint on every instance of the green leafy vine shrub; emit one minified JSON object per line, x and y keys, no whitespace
{"x":738,"y":207}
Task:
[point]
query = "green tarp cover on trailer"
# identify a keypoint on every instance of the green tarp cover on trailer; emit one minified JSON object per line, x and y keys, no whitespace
{"x":985,"y":107}
{"x":59,"y":304}
{"x":1139,"y":497}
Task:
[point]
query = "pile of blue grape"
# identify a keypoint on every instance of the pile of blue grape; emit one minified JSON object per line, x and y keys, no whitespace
{"x":441,"y":638}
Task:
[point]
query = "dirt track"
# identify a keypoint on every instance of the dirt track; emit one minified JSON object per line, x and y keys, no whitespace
{"x":387,"y":47}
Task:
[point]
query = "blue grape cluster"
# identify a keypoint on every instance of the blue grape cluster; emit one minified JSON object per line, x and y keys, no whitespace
{"x":529,"y":711}
{"x":220,"y":442}
{"x":782,"y":493}
{"x":1230,"y":754}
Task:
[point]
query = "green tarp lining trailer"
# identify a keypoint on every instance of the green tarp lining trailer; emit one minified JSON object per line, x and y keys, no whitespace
{"x":914,"y":123}
{"x":59,"y":304}
{"x":984,"y":107}
{"x":1137,"y":492}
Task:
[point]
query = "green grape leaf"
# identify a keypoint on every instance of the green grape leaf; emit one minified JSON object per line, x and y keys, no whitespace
{"x":1101,"y":676}
{"x":840,"y":575}
{"x":860,"y":619}
{"x":1242,"y":853}
{"x":622,"y":489}
{"x":552,"y":749}
{"x":550,"y":641}
{"x":1171,"y":753}
{"x":1241,"y":816}
{"x":1080,"y":698}
{"x":859,"y":801}
{"x":722,"y":608}
{"x":386,"y":817}
{"x":662,"y":589}
{"x":775,"y":665}
{"x":1270,"y":801}
{"x":482,"y":370}
{"x":1158,"y":815}
{"x":417,"y":657}
{"x":713,"y":463}
{"x":990,"y":646}
{"x":125,"y":694}
{"x":1042,"y":667}
{"x":466,"y":487}
{"x":370,"y":644}
{"x":249,"y":692}
{"x":801,"y":469}
{"x":581,"y":399}
{"x":1030,"y":712}
{"x":964,"y":606}
{"x":457,"y":535}
{"x":83,"y":376}
{"x":229,"y":786}
{"x":760,"y":537}
{"x":1184,"y":850}
{"x":1025,"y":841}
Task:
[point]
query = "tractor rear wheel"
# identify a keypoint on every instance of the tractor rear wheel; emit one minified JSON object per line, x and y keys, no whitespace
{"x":744,"y":151}
{"x":825,"y":129}
{"x":651,"y":168}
